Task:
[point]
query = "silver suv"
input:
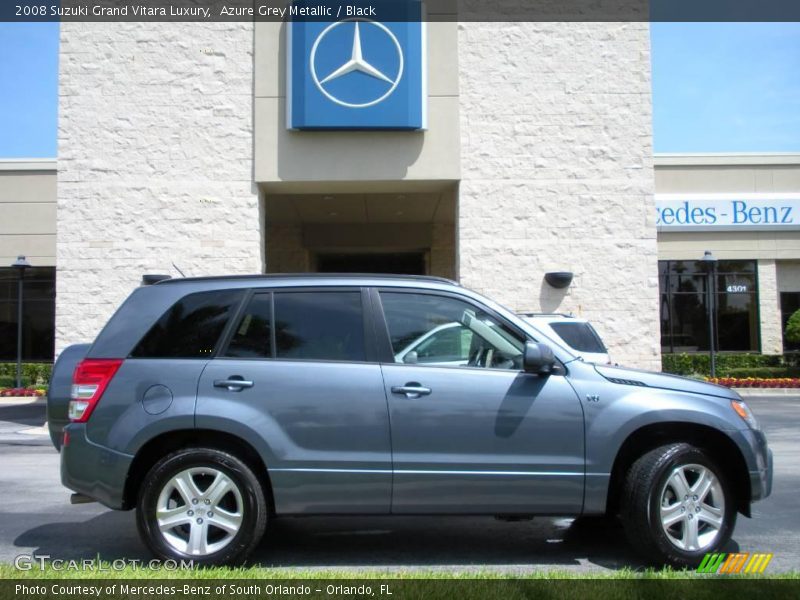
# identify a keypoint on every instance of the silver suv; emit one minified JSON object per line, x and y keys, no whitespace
{"x":213,"y":405}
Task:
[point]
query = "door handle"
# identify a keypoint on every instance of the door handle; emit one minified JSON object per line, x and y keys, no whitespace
{"x":412,"y":390}
{"x":233,"y":384}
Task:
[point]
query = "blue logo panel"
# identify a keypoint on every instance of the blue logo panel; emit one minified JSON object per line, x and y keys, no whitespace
{"x":357,"y":73}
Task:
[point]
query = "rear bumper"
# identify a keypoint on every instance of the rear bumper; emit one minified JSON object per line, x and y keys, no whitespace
{"x":93,"y":470}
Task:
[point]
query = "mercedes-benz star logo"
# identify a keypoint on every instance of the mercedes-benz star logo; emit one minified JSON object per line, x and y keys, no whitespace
{"x":356,"y":63}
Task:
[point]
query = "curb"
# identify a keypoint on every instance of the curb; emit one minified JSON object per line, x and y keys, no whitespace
{"x":766,"y":392}
{"x":22,"y":400}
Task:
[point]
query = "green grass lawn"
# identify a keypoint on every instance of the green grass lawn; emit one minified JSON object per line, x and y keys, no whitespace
{"x":259,"y":583}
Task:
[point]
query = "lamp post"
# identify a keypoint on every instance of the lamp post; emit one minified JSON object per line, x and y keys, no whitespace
{"x":20,"y":264}
{"x":711,"y":266}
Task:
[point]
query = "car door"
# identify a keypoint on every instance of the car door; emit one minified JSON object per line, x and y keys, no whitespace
{"x":485,"y":437}
{"x":298,"y":377}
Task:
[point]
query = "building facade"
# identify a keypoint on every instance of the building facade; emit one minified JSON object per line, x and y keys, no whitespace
{"x":177,"y":154}
{"x":28,"y":227}
{"x":745,"y":209}
{"x":537,"y":156}
{"x":757,"y":271}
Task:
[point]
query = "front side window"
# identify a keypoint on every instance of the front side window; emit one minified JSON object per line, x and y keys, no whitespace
{"x":450,"y":344}
{"x":191,"y":328}
{"x":443,"y":331}
{"x":319,"y":326}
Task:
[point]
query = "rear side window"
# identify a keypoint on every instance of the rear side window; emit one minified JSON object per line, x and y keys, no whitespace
{"x":191,"y":328}
{"x":319,"y":326}
{"x":580,"y":336}
{"x":252,"y":337}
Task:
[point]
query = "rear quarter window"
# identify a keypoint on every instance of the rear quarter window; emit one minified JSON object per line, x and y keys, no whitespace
{"x":190,"y":328}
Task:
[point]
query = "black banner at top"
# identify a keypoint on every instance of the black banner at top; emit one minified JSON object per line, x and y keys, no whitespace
{"x":392,"y":10}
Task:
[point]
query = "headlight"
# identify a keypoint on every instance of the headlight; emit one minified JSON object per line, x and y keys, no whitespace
{"x":744,"y":411}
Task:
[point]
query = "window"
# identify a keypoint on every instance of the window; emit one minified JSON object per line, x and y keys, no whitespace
{"x":441,"y":331}
{"x":684,"y":306}
{"x":38,"y":313}
{"x":252,"y":337}
{"x":450,"y":344}
{"x":790,"y":302}
{"x":579,"y":336}
{"x":191,"y":328}
{"x":319,"y":326}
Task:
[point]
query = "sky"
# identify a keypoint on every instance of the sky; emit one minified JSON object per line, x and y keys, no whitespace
{"x":717,"y":87}
{"x":28,"y":89}
{"x":726,"y":87}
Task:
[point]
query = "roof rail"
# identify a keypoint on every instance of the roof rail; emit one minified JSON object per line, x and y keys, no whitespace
{"x":545,"y":314}
{"x":272,"y":276}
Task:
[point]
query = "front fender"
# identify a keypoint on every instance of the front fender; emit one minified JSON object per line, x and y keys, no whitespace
{"x":607,"y":427}
{"x":613,"y":412}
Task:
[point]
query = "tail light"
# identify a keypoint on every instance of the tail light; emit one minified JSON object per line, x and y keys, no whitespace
{"x":90,"y":380}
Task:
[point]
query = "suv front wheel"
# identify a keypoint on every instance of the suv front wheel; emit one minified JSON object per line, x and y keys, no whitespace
{"x":201,"y":504}
{"x":677,"y":505}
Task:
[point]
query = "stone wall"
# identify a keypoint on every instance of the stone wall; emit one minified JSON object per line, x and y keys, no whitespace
{"x":769,"y":308}
{"x":557,"y":174}
{"x":155,"y":161}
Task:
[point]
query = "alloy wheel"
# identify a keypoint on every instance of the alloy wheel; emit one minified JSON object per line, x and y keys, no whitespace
{"x":199,"y":511}
{"x":692,"y":507}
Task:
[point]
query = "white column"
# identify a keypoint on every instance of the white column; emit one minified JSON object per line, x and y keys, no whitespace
{"x":769,"y":308}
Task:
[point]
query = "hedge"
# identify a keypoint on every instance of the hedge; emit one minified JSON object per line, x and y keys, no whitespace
{"x":730,"y":365}
{"x":32,"y":374}
{"x":764,"y":372}
{"x":7,"y":382}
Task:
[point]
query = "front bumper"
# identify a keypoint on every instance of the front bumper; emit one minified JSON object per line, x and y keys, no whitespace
{"x":759,"y":462}
{"x":93,"y":470}
{"x":761,"y":480}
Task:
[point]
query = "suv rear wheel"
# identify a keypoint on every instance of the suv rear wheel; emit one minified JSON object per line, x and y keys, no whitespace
{"x":201,"y":504}
{"x":677,"y":505}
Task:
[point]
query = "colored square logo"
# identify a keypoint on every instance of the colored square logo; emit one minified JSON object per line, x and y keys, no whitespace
{"x":357,"y":73}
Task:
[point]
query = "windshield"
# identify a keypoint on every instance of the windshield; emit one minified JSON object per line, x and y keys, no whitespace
{"x":580,"y":336}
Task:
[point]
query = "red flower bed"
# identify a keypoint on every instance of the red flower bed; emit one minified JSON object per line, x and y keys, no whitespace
{"x":17,"y":392}
{"x":757,"y":382}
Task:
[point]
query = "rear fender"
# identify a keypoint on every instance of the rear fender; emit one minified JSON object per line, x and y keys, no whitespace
{"x":58,"y":393}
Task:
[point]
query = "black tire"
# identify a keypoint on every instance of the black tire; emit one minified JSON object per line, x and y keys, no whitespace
{"x":249,"y":505}
{"x":646,"y":488}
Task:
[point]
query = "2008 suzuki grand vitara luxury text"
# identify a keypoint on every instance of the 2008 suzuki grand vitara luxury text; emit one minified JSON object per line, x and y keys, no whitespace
{"x":214,"y":404}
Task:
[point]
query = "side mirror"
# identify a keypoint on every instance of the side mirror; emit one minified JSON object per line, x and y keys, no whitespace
{"x":411,"y":358}
{"x":538,"y":359}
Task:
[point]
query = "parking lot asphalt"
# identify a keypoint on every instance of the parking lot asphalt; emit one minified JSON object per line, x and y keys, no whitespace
{"x":37,"y":518}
